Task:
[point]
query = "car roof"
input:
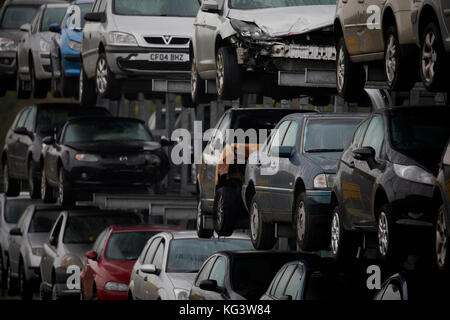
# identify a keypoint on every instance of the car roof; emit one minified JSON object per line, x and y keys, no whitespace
{"x":425,"y":108}
{"x":328,"y":115}
{"x":85,"y":118}
{"x":159,"y":228}
{"x":287,"y":110}
{"x":87,"y":211}
{"x":175,"y":235}
{"x":32,"y":2}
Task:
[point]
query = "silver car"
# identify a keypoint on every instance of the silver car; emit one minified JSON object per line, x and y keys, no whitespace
{"x":170,"y":261}
{"x":244,"y":45}
{"x":73,"y":234}
{"x":11,"y":209}
{"x":25,"y":247}
{"x":127,"y":43}
{"x":33,"y":52}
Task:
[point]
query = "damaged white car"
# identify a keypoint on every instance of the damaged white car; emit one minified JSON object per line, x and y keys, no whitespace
{"x":279,"y":48}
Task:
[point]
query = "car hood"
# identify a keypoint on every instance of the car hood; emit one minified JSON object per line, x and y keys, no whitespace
{"x":328,"y":161}
{"x":37,"y":240}
{"x":114,"y":147}
{"x":118,"y":270}
{"x":74,"y":35}
{"x":287,"y":21}
{"x":182,"y":280}
{"x":15,"y":35}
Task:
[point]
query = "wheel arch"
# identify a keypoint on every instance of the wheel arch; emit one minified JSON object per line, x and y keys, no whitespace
{"x":388,"y":20}
{"x":427,"y":15}
{"x":338,"y":31}
{"x":380,"y":199}
{"x":299,"y":188}
{"x":249,"y":193}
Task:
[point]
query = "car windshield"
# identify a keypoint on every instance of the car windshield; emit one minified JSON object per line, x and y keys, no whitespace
{"x":54,"y":118}
{"x":42,"y":221}
{"x":265,"y":4}
{"x":111,"y":130}
{"x":15,"y":209}
{"x":85,"y":229}
{"x":172,"y":8}
{"x":188,"y":255}
{"x":127,"y":245}
{"x":75,"y":16}
{"x":16,"y":16}
{"x":52,"y":16}
{"x":328,"y":135}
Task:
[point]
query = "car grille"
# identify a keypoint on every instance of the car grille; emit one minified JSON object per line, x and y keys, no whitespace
{"x":147,"y":65}
{"x":167,"y":40}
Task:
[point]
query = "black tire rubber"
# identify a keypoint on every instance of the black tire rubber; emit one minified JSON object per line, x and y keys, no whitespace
{"x":201,"y":231}
{"x":13,"y":284}
{"x":264,"y":237}
{"x":445,"y":264}
{"x":39,"y":88}
{"x":113,"y":88}
{"x":186,"y":102}
{"x":47,"y":195}
{"x":34,"y":182}
{"x":232,"y":75}
{"x":393,"y":254}
{"x":347,"y":244}
{"x":226,"y":202}
{"x":87,"y":96}
{"x":66,"y":84}
{"x":406,"y":76}
{"x":22,"y":94}
{"x":198,"y":89}
{"x":441,"y":77}
{"x":312,"y":238}
{"x":65,"y":198}
{"x":354,"y":76}
{"x":3,"y":279}
{"x":43,"y":294}
{"x":25,"y":289}
{"x":11,"y":187}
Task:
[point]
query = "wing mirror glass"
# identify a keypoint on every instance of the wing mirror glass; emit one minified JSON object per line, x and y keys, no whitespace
{"x":149,"y":269}
{"x":282,"y":152}
{"x":95,"y":17}
{"x":91,"y":255}
{"x":15,"y":232}
{"x":211,"y":6}
{"x":364,"y":154}
{"x":48,"y":141}
{"x":210,"y":285}
{"x":54,"y":27}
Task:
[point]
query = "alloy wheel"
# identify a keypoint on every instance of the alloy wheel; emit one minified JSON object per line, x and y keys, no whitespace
{"x":220,"y":74}
{"x":80,"y":86}
{"x":43,"y":184}
{"x":383,"y":234}
{"x":102,"y":74}
{"x":61,"y":188}
{"x":301,"y":221}
{"x":341,"y":69}
{"x":220,"y":213}
{"x":429,"y":57}
{"x":441,"y":238}
{"x":6,"y":178}
{"x":194,"y":79}
{"x":335,"y":233}
{"x":199,"y":216}
{"x":254,"y":221}
{"x":391,"y":59}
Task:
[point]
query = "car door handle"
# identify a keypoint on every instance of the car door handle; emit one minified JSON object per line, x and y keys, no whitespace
{"x":352,"y":164}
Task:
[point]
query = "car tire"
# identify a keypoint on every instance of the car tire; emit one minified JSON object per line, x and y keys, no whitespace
{"x":308,"y":237}
{"x":397,"y":67}
{"x":262,"y":233}
{"x":87,"y":96}
{"x":108,"y":87}
{"x":350,"y":77}
{"x":343,"y":242}
{"x":3,"y":278}
{"x":66,"y":84}
{"x":11,"y":187}
{"x":65,"y":197}
{"x":22,"y":93}
{"x":47,"y":195}
{"x":13,"y":284}
{"x":433,"y":73}
{"x":55,"y":293}
{"x":388,"y":241}
{"x":198,"y":89}
{"x":186,"y":102}
{"x":26,"y":292}
{"x":225,"y":211}
{"x":33,"y":182}
{"x":201,"y":231}
{"x":39,"y":88}
{"x":228,"y":74}
{"x":44,"y":295}
{"x":442,"y":237}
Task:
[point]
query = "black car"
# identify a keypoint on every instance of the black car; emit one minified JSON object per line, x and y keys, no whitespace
{"x":288,"y":182}
{"x":22,"y":153}
{"x":91,"y":156}
{"x":442,"y":194}
{"x":240,"y":275}
{"x":385,"y":182}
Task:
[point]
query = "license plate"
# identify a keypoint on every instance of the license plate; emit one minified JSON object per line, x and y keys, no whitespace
{"x":169,"y":57}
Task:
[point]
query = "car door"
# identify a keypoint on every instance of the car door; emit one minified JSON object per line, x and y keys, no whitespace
{"x":372,"y":38}
{"x":203,"y":274}
{"x":92,"y":266}
{"x":25,"y":142}
{"x":353,"y":28}
{"x":155,"y":282}
{"x":52,"y":155}
{"x":218,"y":273}
{"x":50,"y":251}
{"x":16,"y":241}
{"x":12,"y":143}
{"x":141,"y":278}
{"x":93,"y":36}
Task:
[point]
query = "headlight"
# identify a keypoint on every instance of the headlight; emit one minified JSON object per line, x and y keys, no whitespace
{"x":71,"y":260}
{"x":153,"y":159}
{"x":324,"y":181}
{"x":36,"y":251}
{"x":181,"y":294}
{"x":87,"y":158}
{"x":414,"y":174}
{"x":247,"y":30}
{"x":121,"y":38}
{"x":7,"y":45}
{"x":116,"y":286}
{"x":45,"y":46}
{"x":75,"y":46}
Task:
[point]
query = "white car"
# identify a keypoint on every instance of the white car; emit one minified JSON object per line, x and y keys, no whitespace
{"x":170,"y":261}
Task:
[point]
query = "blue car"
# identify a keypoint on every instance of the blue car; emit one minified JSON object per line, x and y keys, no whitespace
{"x":66,"y":50}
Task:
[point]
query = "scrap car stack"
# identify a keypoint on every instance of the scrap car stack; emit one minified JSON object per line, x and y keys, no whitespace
{"x":347,"y":189}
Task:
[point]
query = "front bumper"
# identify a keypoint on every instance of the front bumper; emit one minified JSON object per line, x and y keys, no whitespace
{"x":8,"y":63}
{"x":72,"y":64}
{"x":112,"y":295}
{"x":43,"y":66}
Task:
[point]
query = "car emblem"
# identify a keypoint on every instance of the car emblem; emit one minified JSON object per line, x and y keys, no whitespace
{"x":123,"y":159}
{"x":167,"y":39}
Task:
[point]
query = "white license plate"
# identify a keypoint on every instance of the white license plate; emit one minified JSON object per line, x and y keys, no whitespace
{"x":169,"y":57}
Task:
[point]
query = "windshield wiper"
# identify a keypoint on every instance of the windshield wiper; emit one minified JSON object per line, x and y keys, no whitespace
{"x":323,"y":150}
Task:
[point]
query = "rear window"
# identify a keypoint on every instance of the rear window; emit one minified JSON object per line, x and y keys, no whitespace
{"x":15,"y":16}
{"x":42,"y":221}
{"x":15,"y":209}
{"x":52,"y":16}
{"x":127,"y":245}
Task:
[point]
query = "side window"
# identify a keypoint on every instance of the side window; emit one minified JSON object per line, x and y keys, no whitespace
{"x":275,"y":282}
{"x":360,"y":133}
{"x":57,"y":229}
{"x":102,"y":7}
{"x":159,"y":255}
{"x":21,"y":122}
{"x":220,"y":2}
{"x":96,"y":5}
{"x":100,"y":242}
{"x":277,"y":139}
{"x":204,"y":273}
{"x":218,"y":271}
{"x":392,"y":292}
{"x":295,"y":282}
{"x":29,"y":122}
{"x":291,"y":135}
{"x":375,"y":135}
{"x":34,"y":23}
{"x":151,"y":251}
{"x":21,"y":224}
{"x":279,"y":291}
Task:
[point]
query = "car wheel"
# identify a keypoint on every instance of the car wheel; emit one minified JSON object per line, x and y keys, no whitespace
{"x":398,"y":69}
{"x":11,"y":186}
{"x":262,"y":233}
{"x":343,"y":244}
{"x":47,"y":195}
{"x":87,"y":96}
{"x":24,"y":286}
{"x":39,"y":88}
{"x":55,"y":293}
{"x":228,"y":74}
{"x":387,"y":237}
{"x":225,"y":211}
{"x":201,"y":231}
{"x":308,"y":237}
{"x":65,"y":197}
{"x":33,"y":182}
{"x":66,"y":84}
{"x":107,"y":85}
{"x":350,"y":77}
{"x":13,"y":287}
{"x":433,"y":65}
{"x":198,"y":89}
{"x":21,"y":91}
{"x":44,"y":295}
{"x":3,"y":278}
{"x":442,"y":236}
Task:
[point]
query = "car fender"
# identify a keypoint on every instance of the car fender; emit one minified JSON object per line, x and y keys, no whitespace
{"x":225,"y":30}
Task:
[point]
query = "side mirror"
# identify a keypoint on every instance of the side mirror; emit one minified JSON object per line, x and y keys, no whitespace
{"x":15,"y":232}
{"x":48,"y":141}
{"x":165,"y":142}
{"x":53,"y":241}
{"x":210,"y":285}
{"x":286,"y":298}
{"x":91,"y":255}
{"x":55,"y":28}
{"x":282,"y":152}
{"x":95,"y":17}
{"x":25,"y":27}
{"x":210,"y":6}
{"x":149,"y":269}
{"x":21,"y":131}
{"x":364,"y":154}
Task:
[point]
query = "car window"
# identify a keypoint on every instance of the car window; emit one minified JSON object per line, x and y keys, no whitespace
{"x":279,"y":291}
{"x":57,"y":229}
{"x":275,"y":281}
{"x":15,"y":209}
{"x":294,"y":283}
{"x":291,"y":135}
{"x":127,"y":245}
{"x":170,"y":8}
{"x":35,"y":23}
{"x":392,"y":292}
{"x":159,"y":255}
{"x":42,"y":221}
{"x":23,"y":219}
{"x":375,"y":135}
{"x":278,"y":137}
{"x":15,"y":16}
{"x":218,"y":271}
{"x":22,"y":118}
{"x":151,"y":251}
{"x":52,"y":16}
{"x":102,"y":6}
{"x":359,"y":134}
{"x":99,"y":243}
{"x":204,"y":272}
{"x":29,"y":122}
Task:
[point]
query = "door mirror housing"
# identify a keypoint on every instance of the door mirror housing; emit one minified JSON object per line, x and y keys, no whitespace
{"x":91,"y":255}
{"x":53,"y":241}
{"x":54,"y":27}
{"x":149,"y":269}
{"x":48,"y":141}
{"x":25,"y":27}
{"x":21,"y":131}
{"x":286,"y":298}
{"x":364,"y":154}
{"x":282,"y":152}
{"x":165,"y":142}
{"x":210,"y":6}
{"x":95,"y":17}
{"x":15,"y":232}
{"x":210,"y":285}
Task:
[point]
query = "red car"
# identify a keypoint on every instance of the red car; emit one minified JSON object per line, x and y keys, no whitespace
{"x":107,"y":268}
